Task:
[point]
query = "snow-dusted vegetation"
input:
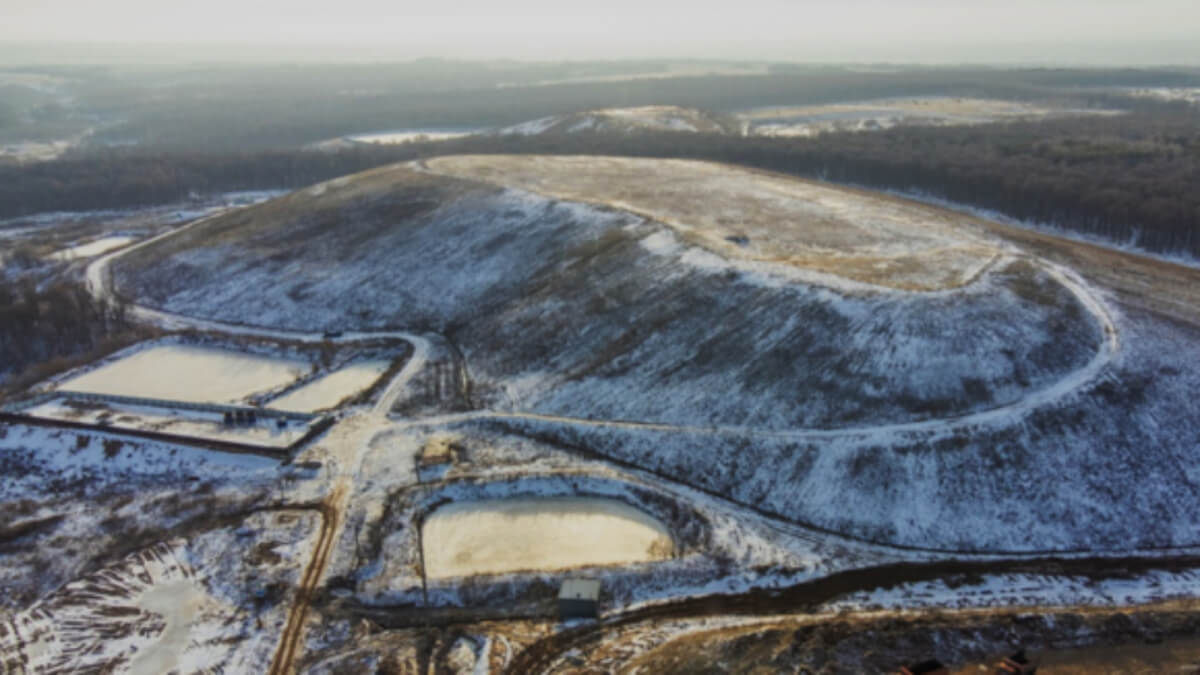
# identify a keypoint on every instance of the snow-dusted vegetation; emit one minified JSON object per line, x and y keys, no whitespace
{"x":956,"y":418}
{"x":885,"y":113}
{"x":71,"y":500}
{"x":569,"y":309}
{"x":176,"y":606}
{"x":677,"y":378}
{"x":811,"y":120}
{"x":1106,"y":467}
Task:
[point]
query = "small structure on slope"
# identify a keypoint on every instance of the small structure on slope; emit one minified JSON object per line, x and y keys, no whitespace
{"x":579,"y":599}
{"x":440,"y":452}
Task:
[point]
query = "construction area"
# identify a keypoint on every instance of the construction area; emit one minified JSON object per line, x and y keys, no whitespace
{"x":509,"y":447}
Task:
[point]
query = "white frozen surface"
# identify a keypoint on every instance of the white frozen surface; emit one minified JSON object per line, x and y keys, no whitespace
{"x":191,"y":423}
{"x":188,"y":373}
{"x":102,"y":245}
{"x":328,"y":390}
{"x":496,"y":536}
{"x":409,"y":135}
{"x":885,"y":113}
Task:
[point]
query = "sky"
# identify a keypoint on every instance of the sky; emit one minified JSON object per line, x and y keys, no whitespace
{"x":932,"y":31}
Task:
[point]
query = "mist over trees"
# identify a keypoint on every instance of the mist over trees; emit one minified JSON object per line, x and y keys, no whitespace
{"x":238,"y":108}
{"x":1125,"y":178}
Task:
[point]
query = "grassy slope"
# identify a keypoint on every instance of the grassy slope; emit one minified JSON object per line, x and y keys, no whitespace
{"x":1112,"y":467}
{"x":579,"y":311}
{"x":573,"y":310}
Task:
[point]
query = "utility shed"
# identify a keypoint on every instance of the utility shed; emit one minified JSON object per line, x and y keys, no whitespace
{"x":579,"y":599}
{"x":439,"y":454}
{"x":439,"y":449}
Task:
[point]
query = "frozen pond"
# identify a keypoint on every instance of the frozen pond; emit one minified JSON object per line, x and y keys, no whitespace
{"x":509,"y":535}
{"x":103,"y":245}
{"x":189,"y":373}
{"x":328,"y":390}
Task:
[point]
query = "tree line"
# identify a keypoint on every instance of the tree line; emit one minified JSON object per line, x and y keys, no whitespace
{"x":52,"y":324}
{"x":1128,"y":177}
{"x":280,"y":107}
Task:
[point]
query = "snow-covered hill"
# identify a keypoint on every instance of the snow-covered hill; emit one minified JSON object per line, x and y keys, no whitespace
{"x":569,"y":309}
{"x":1003,"y":409}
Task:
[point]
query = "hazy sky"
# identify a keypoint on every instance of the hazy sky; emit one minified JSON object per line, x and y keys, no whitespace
{"x":1077,"y":31}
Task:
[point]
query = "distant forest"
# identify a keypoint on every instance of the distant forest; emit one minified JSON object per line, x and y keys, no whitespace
{"x":230,"y":109}
{"x":1126,"y":178}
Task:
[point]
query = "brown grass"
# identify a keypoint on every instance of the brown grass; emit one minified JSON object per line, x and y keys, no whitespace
{"x":758,"y":216}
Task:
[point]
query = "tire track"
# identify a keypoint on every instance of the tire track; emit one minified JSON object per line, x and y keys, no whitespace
{"x":100,"y":284}
{"x":283,"y":662}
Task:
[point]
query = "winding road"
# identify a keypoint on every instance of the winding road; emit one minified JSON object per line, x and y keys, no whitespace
{"x":345,"y":444}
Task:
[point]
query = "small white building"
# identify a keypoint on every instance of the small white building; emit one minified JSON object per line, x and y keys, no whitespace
{"x":579,"y":599}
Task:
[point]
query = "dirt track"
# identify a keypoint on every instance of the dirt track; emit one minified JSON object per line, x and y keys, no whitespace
{"x":807,"y":597}
{"x":285,"y":654}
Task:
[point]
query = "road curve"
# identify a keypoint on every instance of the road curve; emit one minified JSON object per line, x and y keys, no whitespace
{"x":352,"y":434}
{"x":99,"y":282}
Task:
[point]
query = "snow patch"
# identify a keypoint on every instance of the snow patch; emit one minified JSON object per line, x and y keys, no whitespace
{"x":96,"y":247}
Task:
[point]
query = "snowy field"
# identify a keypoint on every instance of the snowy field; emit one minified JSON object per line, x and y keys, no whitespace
{"x":186,"y":605}
{"x":575,"y":310}
{"x":510,"y":535}
{"x":99,"y":493}
{"x":1187,"y":94}
{"x":409,"y":135}
{"x":879,"y":114}
{"x":714,"y":545}
{"x":825,"y":401}
{"x":328,"y":390}
{"x":620,"y":120}
{"x":188,"y":373}
{"x":1107,"y":467}
{"x":41,"y":462}
{"x":93,"y":248}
